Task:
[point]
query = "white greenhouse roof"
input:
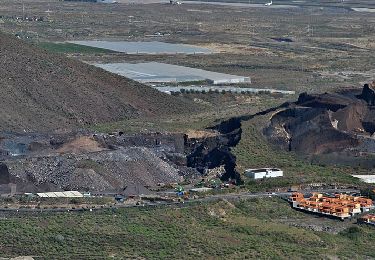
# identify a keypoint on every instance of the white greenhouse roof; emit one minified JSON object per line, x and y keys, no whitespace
{"x":60,"y":194}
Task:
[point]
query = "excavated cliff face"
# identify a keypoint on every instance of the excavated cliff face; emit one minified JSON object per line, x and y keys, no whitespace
{"x":5,"y":177}
{"x":215,"y":151}
{"x":326,"y":123}
{"x":368,"y":93}
{"x":307,"y":129}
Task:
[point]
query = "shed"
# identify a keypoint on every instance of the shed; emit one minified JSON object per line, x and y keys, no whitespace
{"x":203,"y":189}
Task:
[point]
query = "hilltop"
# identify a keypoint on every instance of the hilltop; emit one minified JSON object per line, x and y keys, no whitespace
{"x":331,"y":127}
{"x":41,"y":91}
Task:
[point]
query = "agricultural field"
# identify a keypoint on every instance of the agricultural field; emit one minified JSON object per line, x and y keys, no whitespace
{"x":316,"y":47}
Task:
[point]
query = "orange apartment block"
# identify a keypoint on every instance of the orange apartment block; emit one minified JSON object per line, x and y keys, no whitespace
{"x":341,"y":205}
{"x":296,"y":196}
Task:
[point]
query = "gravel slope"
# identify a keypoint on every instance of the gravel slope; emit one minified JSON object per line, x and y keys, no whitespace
{"x":42,"y":91}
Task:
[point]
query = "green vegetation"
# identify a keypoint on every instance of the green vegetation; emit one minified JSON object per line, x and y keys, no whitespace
{"x":235,"y":230}
{"x":71,"y":48}
{"x":254,"y":151}
{"x":218,"y":107}
{"x":369,"y":191}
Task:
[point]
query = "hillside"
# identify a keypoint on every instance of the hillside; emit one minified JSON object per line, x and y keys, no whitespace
{"x":259,"y":228}
{"x":325,"y":123}
{"x":43,"y":91}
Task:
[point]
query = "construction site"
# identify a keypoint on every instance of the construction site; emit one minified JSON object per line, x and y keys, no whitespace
{"x":340,"y":206}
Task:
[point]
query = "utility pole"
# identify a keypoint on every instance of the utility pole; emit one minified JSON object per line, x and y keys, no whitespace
{"x":310,"y":31}
{"x":23,"y":11}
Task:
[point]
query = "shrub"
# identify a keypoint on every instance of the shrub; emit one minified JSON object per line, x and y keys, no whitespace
{"x":353,"y":232}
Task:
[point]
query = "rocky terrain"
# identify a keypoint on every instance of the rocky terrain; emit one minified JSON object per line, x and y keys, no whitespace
{"x":48,"y":99}
{"x":42,"y":91}
{"x":109,"y":162}
{"x":329,"y":123}
{"x":215,"y":151}
{"x":106,"y":171}
{"x":91,"y":162}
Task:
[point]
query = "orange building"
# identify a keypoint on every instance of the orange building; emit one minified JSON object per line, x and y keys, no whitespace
{"x":341,"y":205}
{"x":296,"y":196}
{"x":368,"y":219}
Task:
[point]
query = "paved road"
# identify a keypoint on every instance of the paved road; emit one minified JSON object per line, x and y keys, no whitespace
{"x":245,"y":195}
{"x":209,"y":198}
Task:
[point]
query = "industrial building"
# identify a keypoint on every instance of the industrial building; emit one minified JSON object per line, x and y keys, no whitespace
{"x":154,"y":72}
{"x":340,"y":206}
{"x":264,"y":173}
{"x":62,"y":194}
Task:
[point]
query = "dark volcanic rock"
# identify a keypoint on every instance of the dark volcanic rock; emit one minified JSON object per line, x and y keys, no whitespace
{"x":212,"y":152}
{"x":326,"y":123}
{"x":331,"y":101}
{"x":5,"y":177}
{"x":368,"y":93}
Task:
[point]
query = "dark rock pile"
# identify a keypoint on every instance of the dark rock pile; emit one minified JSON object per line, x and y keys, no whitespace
{"x":215,"y":151}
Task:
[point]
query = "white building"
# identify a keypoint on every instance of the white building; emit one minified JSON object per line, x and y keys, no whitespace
{"x":60,"y":194}
{"x":366,"y":178}
{"x":203,"y":189}
{"x":263,"y":173}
